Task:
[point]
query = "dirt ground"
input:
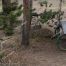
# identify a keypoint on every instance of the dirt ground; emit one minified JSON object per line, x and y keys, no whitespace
{"x":39,"y":53}
{"x":42,"y":51}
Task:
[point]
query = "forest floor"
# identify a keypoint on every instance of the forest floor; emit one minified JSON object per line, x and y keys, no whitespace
{"x":42,"y":50}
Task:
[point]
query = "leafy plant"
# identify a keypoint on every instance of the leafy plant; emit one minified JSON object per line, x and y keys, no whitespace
{"x":49,"y":14}
{"x":8,"y":19}
{"x":43,"y":3}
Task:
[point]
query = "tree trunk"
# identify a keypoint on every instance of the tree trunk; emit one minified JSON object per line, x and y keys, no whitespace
{"x":60,"y":7}
{"x":27,"y":22}
{"x":5,"y":5}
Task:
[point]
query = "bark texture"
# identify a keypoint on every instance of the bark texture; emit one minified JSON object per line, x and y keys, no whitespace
{"x":27,"y":19}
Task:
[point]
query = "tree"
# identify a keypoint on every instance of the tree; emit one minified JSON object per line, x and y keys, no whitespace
{"x":8,"y":18}
{"x":27,"y":4}
{"x":60,"y":7}
{"x":5,"y":5}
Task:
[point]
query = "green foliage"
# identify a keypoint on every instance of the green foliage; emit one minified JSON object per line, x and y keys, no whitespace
{"x":43,"y":3}
{"x":8,"y":30}
{"x":49,"y":14}
{"x":33,"y":13}
{"x":9,"y":18}
{"x":1,"y":56}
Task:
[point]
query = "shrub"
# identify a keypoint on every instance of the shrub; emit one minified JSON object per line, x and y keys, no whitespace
{"x":49,"y":14}
{"x":8,"y":19}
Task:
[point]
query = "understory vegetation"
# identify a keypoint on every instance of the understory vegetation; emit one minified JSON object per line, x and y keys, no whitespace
{"x":29,"y":34}
{"x":9,"y":18}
